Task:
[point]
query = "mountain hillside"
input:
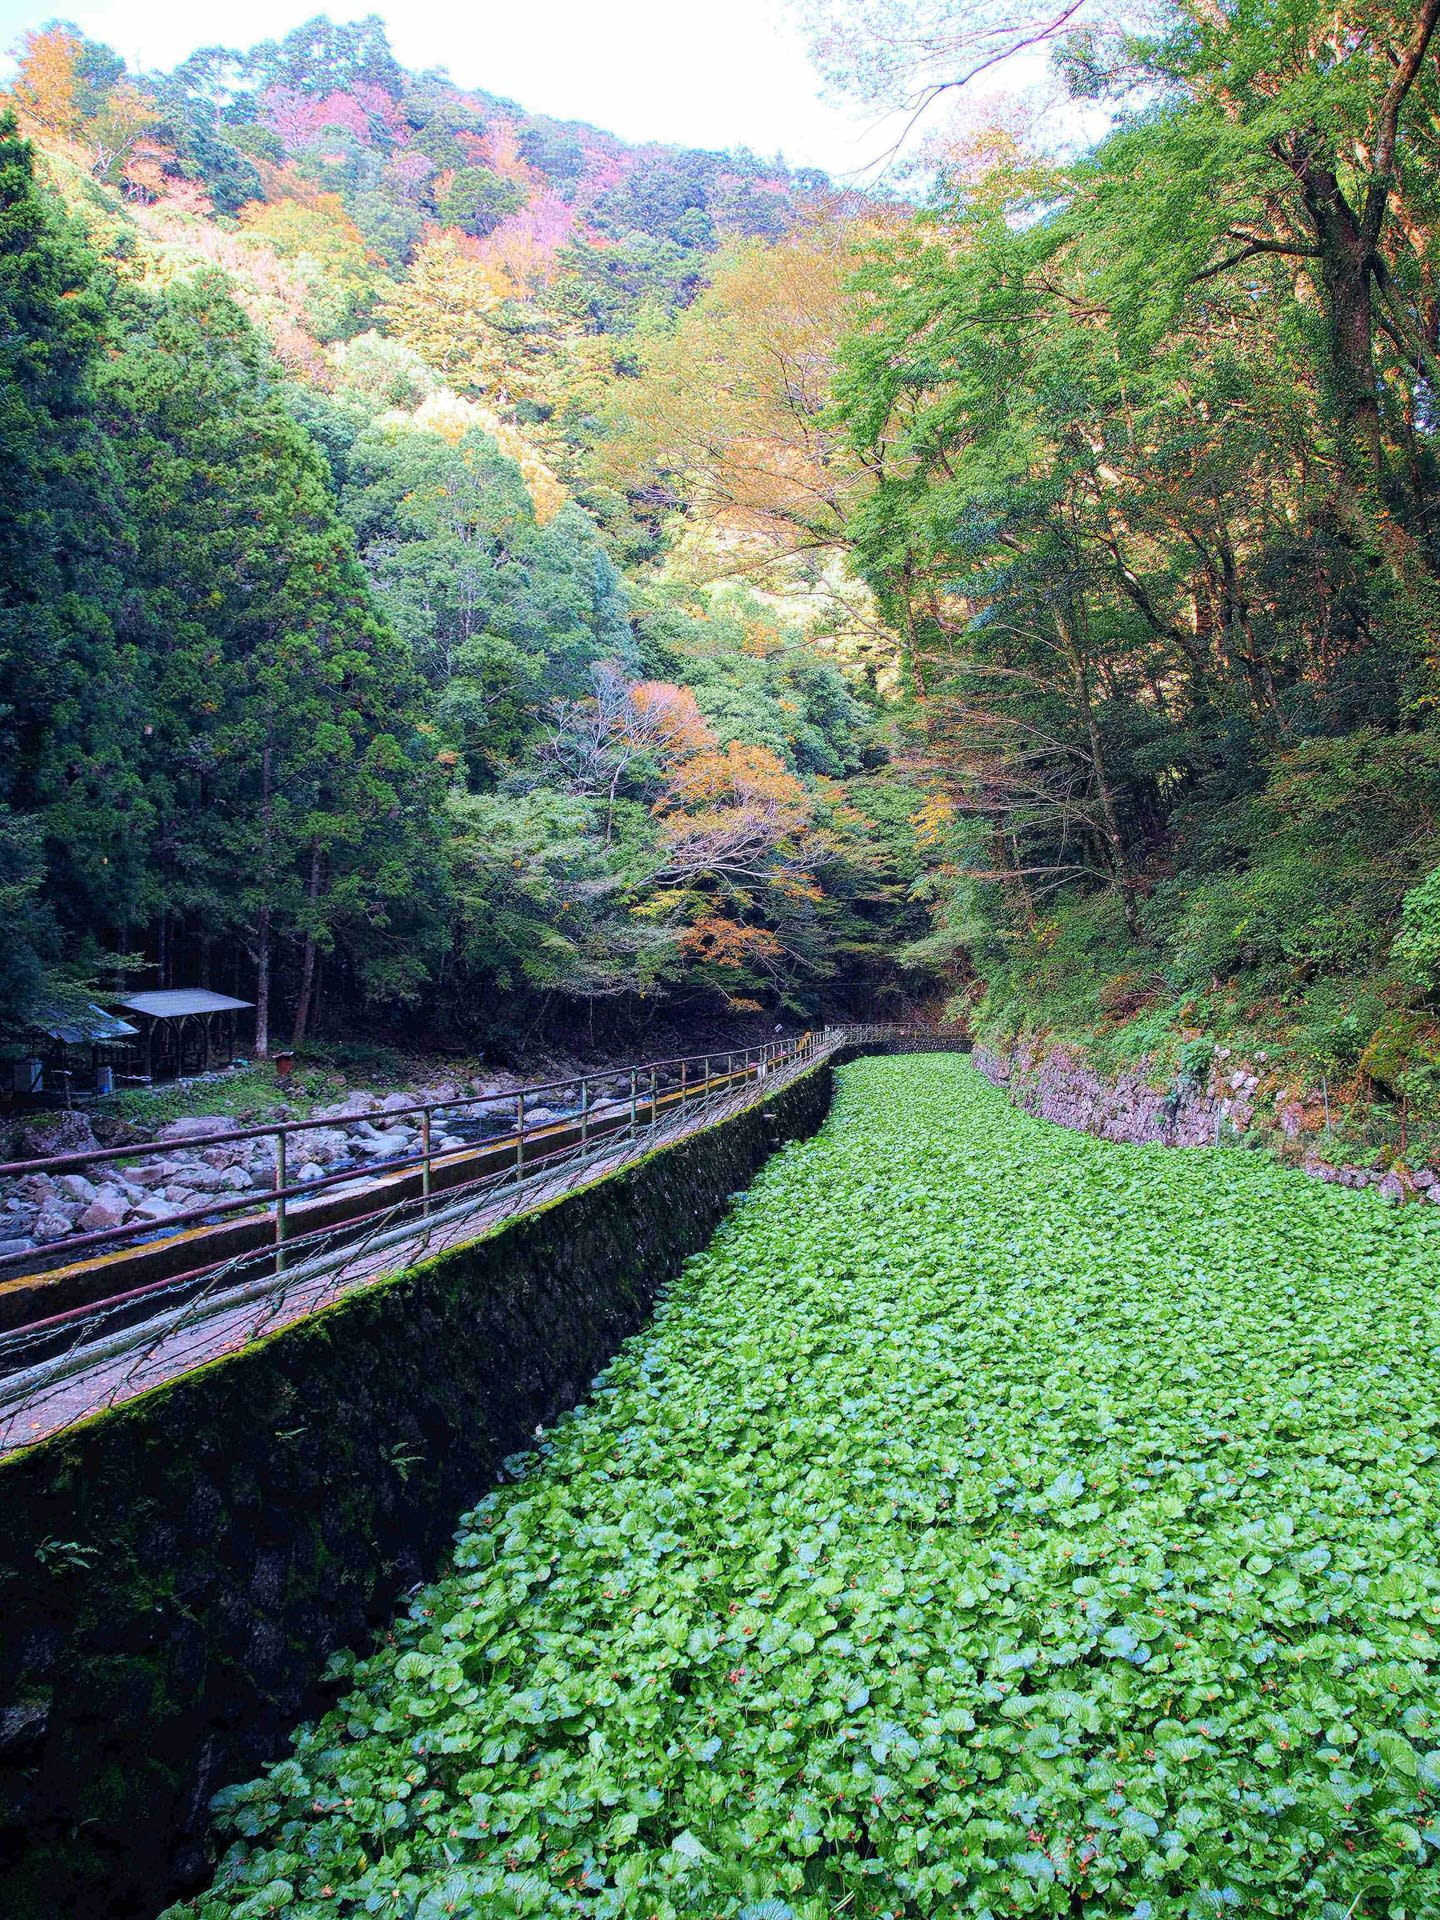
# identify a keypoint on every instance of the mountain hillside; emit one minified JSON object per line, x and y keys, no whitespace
{"x":344,"y":673}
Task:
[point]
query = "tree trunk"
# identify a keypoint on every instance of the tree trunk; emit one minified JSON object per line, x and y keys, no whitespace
{"x":1346,"y":266}
{"x":307,"y":965}
{"x":1114,"y":838}
{"x":262,"y":920}
{"x":1345,"y":273}
{"x":262,"y":984}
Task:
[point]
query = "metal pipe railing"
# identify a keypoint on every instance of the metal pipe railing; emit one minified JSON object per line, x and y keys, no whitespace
{"x":56,"y":1370}
{"x":756,"y":1062}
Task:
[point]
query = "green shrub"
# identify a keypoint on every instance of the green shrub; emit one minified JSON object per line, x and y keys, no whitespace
{"x":1417,"y":946}
{"x":1195,"y":1061}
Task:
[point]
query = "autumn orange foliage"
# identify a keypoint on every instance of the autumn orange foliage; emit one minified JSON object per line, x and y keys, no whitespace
{"x":46,"y":88}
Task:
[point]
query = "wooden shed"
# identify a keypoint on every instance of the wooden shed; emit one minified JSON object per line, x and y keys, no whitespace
{"x":68,"y":1051}
{"x":184,"y":1029}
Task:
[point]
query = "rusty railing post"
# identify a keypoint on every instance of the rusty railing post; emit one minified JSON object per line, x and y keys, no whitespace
{"x":281,"y":1182}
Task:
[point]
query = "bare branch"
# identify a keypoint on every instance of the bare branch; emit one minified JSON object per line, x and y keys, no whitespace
{"x":1254,"y":246}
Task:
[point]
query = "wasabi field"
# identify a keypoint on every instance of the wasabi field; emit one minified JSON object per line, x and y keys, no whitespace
{"x":991,"y":1521}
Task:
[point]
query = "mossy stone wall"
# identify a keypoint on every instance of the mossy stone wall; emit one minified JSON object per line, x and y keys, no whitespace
{"x":174,"y":1575}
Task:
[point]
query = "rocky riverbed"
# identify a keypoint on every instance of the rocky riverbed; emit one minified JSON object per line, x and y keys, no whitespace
{"x":167,"y":1177}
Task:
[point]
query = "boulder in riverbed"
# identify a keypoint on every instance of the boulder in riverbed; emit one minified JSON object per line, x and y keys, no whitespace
{"x":100,"y":1215}
{"x":384,"y":1146}
{"x":157,"y":1209}
{"x":325,"y":1145}
{"x":195,"y":1126}
{"x":52,"y":1226}
{"x":350,"y":1108}
{"x":53,"y":1133}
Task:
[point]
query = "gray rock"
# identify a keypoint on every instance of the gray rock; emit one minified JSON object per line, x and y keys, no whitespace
{"x":397,"y":1102}
{"x":156,"y":1209}
{"x":54,"y":1133}
{"x":8,"y":1247}
{"x":196,"y":1125}
{"x":325,"y":1145}
{"x":235,"y":1180}
{"x":384,"y":1146}
{"x":1424,"y":1178}
{"x":100,"y":1215}
{"x":1392,"y":1187}
{"x":182,"y":1198}
{"x":52,"y":1226}
{"x":310,"y":1171}
{"x":203,"y":1179}
{"x":350,"y":1108}
{"x":76,"y":1187}
{"x":223,"y":1157}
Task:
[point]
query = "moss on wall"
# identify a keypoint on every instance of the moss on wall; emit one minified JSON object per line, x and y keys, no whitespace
{"x":173,"y":1575}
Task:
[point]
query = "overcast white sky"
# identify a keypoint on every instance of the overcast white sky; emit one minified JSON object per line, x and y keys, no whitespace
{"x":703,"y":73}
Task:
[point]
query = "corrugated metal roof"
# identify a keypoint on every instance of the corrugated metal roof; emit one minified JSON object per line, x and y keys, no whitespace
{"x":77,"y":1025}
{"x":175,"y":1002}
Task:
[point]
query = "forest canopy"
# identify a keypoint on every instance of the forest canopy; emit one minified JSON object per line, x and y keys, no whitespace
{"x":1150,"y":441}
{"x":464,"y":567}
{"x":339,"y":671}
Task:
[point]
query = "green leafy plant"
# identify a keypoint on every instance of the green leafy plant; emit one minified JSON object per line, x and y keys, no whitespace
{"x":65,"y":1556}
{"x":991,"y":1521}
{"x":1417,"y":946}
{"x":1196,"y":1058}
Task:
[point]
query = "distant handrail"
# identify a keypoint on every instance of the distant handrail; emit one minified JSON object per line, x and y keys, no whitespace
{"x":49,"y":1163}
{"x":216,"y":1295}
{"x":606,"y":1114}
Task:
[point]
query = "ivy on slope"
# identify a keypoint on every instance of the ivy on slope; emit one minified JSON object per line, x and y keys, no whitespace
{"x":993,"y":1521}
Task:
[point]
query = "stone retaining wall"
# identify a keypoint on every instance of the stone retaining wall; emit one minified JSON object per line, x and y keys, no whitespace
{"x":173,"y":1575}
{"x":1058,"y":1083}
